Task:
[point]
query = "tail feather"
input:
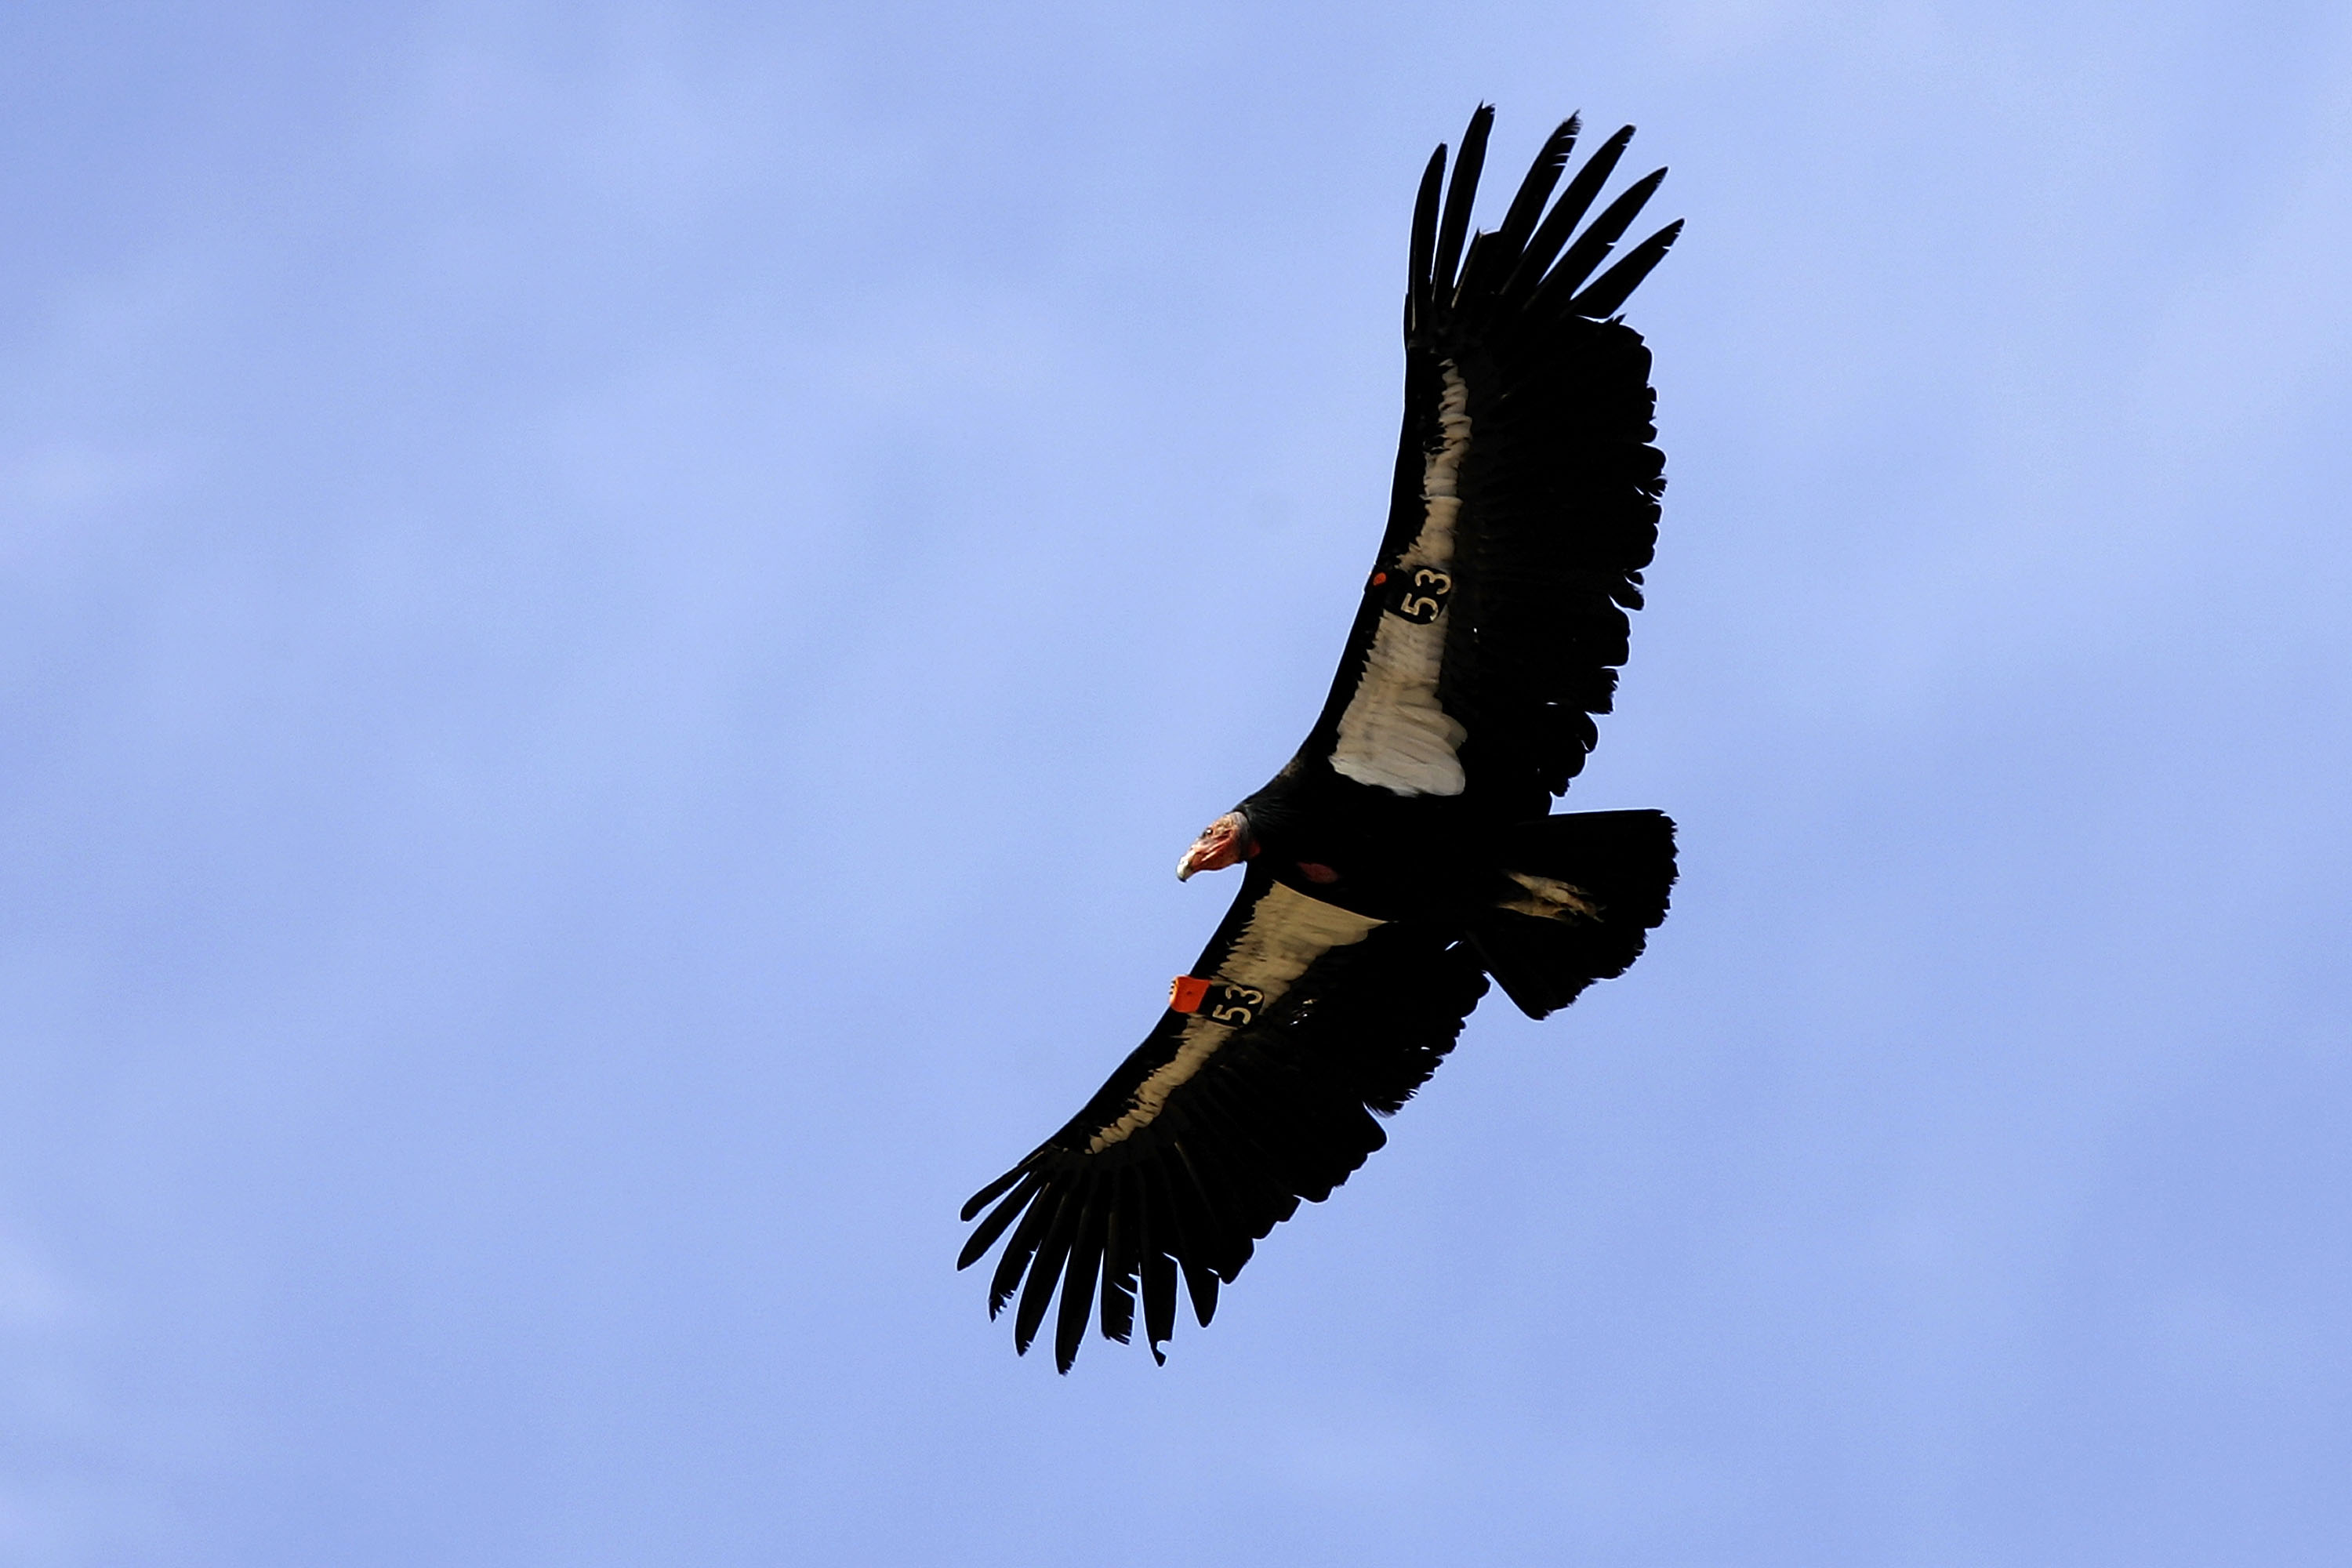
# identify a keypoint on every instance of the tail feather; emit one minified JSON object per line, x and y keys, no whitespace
{"x":1603,"y":878}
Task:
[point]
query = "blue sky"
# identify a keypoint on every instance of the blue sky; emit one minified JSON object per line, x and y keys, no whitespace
{"x":614,"y":615}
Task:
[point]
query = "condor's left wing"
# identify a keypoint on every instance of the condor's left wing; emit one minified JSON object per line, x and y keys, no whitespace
{"x":1524,"y":504}
{"x":1258,"y":1087}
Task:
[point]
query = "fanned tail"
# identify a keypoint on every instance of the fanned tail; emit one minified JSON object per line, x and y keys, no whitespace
{"x":1581,"y":893}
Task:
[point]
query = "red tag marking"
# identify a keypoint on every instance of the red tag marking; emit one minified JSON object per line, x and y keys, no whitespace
{"x":1315,"y":873}
{"x":1379,"y":578}
{"x":1184,"y":994}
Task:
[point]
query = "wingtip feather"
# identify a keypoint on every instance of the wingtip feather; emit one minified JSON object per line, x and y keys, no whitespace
{"x":1425,"y":219}
{"x":1543,"y":175}
{"x":1461,"y":192}
{"x":1595,"y":243}
{"x":1607,"y":293}
{"x":1574,"y":202}
{"x":989,"y":1194}
{"x":1078,"y":1285}
{"x":1004,"y":1214}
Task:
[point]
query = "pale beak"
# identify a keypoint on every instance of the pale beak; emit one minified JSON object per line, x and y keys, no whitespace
{"x":1219,"y":846}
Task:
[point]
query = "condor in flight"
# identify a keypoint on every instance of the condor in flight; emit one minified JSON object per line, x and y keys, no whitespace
{"x":1405,"y":854}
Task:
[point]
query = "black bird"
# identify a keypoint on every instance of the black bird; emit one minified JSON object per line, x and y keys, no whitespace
{"x":1404,"y":853}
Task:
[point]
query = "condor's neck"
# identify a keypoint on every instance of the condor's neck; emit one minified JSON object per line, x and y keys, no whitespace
{"x":1282,"y":811}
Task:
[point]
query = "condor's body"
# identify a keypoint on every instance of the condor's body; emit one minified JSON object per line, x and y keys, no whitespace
{"x":1406,"y":853}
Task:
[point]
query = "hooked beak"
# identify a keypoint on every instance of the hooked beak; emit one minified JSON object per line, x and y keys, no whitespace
{"x":1221,"y":844}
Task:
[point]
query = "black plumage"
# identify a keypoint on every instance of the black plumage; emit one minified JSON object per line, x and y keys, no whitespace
{"x":1407,"y":852}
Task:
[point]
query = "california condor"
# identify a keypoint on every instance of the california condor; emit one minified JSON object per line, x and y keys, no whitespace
{"x":1406,"y":853}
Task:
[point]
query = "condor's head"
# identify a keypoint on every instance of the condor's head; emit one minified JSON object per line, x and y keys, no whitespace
{"x":1222,"y":843}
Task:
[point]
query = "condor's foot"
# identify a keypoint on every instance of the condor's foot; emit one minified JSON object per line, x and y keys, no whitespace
{"x":1547,"y":898}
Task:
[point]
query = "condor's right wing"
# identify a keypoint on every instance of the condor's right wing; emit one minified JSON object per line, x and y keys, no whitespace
{"x":1258,"y":1087}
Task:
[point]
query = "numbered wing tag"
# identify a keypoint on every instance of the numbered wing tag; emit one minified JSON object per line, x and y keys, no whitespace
{"x":1216,"y":1000}
{"x":1416,"y":593}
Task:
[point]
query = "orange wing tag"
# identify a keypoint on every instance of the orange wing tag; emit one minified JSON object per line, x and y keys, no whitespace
{"x":1219,"y":1001}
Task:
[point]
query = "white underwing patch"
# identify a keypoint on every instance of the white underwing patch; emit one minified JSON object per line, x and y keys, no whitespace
{"x":1394,"y":733}
{"x":1286,"y":932}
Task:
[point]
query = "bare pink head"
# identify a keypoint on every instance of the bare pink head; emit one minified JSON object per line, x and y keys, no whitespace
{"x":1222,"y":843}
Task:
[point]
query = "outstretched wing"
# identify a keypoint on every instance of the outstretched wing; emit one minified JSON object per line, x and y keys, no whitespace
{"x":1256,"y":1088}
{"x":1525,"y":499}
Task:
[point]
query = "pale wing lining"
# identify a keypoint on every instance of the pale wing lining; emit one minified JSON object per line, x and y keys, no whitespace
{"x":1394,"y":733}
{"x":1286,"y":932}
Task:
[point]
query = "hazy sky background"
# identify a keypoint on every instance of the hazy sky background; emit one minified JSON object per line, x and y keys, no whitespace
{"x":614,"y":614}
